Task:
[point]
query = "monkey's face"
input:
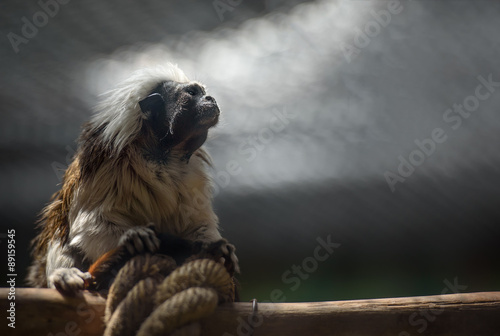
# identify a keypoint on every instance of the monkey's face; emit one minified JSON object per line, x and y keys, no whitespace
{"x":178,"y":116}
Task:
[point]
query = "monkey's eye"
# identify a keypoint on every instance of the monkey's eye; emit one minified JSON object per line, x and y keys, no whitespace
{"x":193,"y":90}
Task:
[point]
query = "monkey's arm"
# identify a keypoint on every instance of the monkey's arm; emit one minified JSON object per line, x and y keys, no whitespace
{"x":65,"y":262}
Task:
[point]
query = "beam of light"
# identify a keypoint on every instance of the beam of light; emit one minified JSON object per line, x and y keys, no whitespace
{"x":269,"y":66}
{"x":352,"y":116}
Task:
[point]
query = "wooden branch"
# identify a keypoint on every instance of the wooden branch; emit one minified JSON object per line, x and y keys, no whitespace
{"x":46,"y":312}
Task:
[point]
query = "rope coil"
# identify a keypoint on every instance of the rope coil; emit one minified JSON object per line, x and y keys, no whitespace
{"x":144,"y":301}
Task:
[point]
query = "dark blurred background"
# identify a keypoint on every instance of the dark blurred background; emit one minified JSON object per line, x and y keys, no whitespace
{"x":320,"y":99}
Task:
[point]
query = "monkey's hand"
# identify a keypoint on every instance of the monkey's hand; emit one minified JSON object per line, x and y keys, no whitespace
{"x":225,"y":253}
{"x":68,"y":280}
{"x":140,"y":239}
{"x":230,"y":259}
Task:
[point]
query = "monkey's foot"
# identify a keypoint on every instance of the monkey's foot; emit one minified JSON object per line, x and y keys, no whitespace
{"x":68,"y":280}
{"x":140,"y":239}
{"x":225,"y":251}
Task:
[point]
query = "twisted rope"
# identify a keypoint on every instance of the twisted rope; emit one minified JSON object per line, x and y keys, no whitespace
{"x":142,"y":301}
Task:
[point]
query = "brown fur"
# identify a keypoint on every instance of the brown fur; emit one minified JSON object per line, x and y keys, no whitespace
{"x":53,"y":224}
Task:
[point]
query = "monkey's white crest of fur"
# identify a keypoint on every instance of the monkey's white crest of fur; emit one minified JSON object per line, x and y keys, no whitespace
{"x":120,"y":107}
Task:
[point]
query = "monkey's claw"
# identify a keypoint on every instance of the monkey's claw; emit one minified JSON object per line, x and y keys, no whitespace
{"x":68,"y":280}
{"x":230,"y":259}
{"x":225,"y":251}
{"x":140,"y":239}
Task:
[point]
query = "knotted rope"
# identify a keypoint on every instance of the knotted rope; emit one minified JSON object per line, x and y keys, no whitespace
{"x":151,"y":296}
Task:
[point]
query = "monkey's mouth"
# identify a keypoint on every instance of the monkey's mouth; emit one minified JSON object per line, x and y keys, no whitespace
{"x":209,"y":115}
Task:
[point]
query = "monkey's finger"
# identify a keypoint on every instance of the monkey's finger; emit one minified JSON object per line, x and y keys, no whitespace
{"x":149,"y":239}
{"x":228,"y":249}
{"x":225,"y":249}
{"x":130,"y":248}
{"x":58,"y":283}
{"x":138,"y":244}
{"x":157,"y":242}
{"x":83,"y":275}
{"x":231,"y":256}
{"x":236,"y":263}
{"x":61,"y":287}
{"x":68,"y":281}
{"x":152,"y":243}
{"x":74,"y":282}
{"x":87,"y":276}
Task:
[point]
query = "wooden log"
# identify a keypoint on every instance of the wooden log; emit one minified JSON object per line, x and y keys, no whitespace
{"x":46,"y":312}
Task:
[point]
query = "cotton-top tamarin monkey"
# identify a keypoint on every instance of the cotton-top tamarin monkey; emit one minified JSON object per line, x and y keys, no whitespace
{"x":138,"y":165}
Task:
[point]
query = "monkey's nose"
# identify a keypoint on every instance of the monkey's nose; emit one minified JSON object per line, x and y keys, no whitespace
{"x":210,"y":99}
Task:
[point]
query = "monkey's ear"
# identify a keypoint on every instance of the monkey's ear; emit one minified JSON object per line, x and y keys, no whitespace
{"x":152,"y":103}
